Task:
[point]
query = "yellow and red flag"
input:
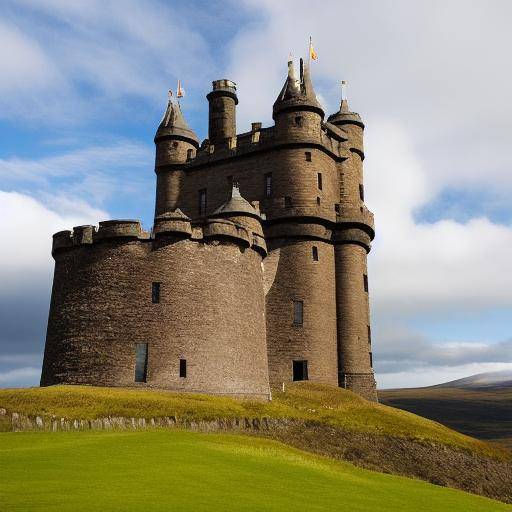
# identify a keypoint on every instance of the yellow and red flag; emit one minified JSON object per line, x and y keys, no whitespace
{"x":312,"y":53}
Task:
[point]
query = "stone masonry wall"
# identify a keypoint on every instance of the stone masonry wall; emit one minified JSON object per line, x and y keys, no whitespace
{"x":211,"y":313}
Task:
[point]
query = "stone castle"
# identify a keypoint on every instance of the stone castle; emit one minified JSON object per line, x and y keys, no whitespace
{"x":253,"y":275}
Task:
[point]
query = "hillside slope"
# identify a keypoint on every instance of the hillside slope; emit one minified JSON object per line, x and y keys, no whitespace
{"x":176,"y":470}
{"x":475,"y":408}
{"x":321,"y":419}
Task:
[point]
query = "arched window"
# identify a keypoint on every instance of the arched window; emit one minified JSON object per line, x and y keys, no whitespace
{"x":315,"y":253}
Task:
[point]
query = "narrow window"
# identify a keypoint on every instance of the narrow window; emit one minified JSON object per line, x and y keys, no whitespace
{"x":183,"y":368}
{"x":318,"y":201}
{"x":361,"y":192}
{"x":288,"y":202}
{"x":337,"y":208}
{"x":371,"y":359}
{"x":365,"y":282}
{"x":298,"y":121}
{"x":319,"y":180}
{"x":155,"y":293}
{"x":268,"y":185}
{"x":308,"y":156}
{"x":202,"y":202}
{"x":300,"y":370}
{"x":141,"y":362}
{"x":315,"y":253}
{"x":369,"y":335}
{"x":190,"y":154}
{"x":298,"y":312}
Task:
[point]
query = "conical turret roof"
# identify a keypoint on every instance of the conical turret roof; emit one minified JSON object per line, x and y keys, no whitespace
{"x":236,"y":204}
{"x":297,"y":94}
{"x":173,"y":125}
{"x":345,"y":116}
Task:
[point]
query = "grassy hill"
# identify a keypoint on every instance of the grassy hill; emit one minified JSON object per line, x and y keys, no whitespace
{"x":321,"y":419}
{"x":163,"y":470}
{"x":483,"y":412}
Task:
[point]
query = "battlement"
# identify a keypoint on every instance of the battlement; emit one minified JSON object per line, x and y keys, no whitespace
{"x":174,"y":225}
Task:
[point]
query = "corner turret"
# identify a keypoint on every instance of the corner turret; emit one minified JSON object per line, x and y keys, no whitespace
{"x":176,"y":144}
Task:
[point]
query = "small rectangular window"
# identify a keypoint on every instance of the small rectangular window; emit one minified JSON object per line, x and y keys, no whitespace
{"x":141,"y":362}
{"x":371,"y":359}
{"x":365,"y":282}
{"x":319,"y":179}
{"x":300,"y":370}
{"x":202,"y":202}
{"x":308,"y":156}
{"x":369,"y":335}
{"x":298,"y":121}
{"x":190,"y":154}
{"x":361,"y":192}
{"x":268,"y":185}
{"x":288,"y":202}
{"x":337,"y":208}
{"x":315,"y":253}
{"x":298,"y":312}
{"x":183,"y":368}
{"x":318,"y":201}
{"x":155,"y":293}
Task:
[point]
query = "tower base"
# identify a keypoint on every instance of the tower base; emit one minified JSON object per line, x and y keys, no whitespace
{"x":361,"y":383}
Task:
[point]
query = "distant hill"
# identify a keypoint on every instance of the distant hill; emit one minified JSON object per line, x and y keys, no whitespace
{"x":478,"y":405}
{"x":502,"y":379}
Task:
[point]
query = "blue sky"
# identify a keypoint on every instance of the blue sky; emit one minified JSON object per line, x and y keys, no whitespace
{"x":84,"y":84}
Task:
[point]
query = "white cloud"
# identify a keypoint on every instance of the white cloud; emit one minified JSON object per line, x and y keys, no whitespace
{"x":89,"y":58}
{"x":22,"y":377}
{"x":25,"y":262}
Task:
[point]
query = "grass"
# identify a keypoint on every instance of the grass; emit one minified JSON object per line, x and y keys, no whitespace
{"x":303,"y":401}
{"x":162,"y":470}
{"x":485,"y":413}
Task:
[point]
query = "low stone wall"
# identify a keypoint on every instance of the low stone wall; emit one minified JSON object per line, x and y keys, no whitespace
{"x":22,"y":423}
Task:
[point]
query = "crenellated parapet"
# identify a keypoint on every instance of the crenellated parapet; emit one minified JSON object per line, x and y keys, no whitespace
{"x":168,"y":228}
{"x":121,"y":230}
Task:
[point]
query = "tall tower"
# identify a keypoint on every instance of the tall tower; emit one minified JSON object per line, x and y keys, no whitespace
{"x":352,"y":241}
{"x":301,"y":306}
{"x":176,"y":144}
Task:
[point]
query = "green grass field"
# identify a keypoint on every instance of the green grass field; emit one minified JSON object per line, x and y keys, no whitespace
{"x":324,"y":404}
{"x":171,"y":470}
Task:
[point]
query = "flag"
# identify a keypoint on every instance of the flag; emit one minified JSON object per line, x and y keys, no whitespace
{"x":312,"y":53}
{"x":180,"y":92}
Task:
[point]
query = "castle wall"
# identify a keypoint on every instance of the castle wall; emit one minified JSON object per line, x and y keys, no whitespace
{"x":211,"y":313}
{"x":292,"y":176}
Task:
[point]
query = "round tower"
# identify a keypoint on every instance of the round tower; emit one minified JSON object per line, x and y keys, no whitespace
{"x":352,"y":238}
{"x":176,"y":144}
{"x":301,"y":304}
{"x":222,"y":101}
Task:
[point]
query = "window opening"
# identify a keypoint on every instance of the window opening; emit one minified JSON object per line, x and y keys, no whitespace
{"x":141,"y":362}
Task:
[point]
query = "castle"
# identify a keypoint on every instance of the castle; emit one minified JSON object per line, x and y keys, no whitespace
{"x":253,"y":275}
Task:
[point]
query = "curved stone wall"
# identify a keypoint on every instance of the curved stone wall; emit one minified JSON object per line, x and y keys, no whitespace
{"x":211,"y":312}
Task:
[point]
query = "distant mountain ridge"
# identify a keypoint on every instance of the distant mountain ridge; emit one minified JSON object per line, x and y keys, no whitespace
{"x":500,"y":379}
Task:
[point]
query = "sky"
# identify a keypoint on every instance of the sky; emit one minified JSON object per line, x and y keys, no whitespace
{"x":83,"y":86}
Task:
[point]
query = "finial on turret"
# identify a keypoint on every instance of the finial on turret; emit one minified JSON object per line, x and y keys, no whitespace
{"x":235,"y":191}
{"x":344,"y":100}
